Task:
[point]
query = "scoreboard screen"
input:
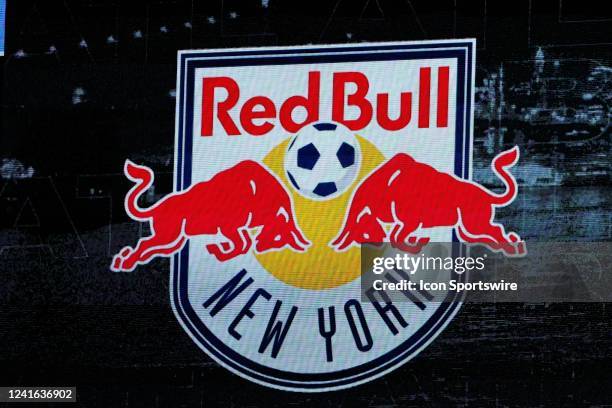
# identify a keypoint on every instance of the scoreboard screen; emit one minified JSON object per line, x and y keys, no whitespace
{"x":2,"y":13}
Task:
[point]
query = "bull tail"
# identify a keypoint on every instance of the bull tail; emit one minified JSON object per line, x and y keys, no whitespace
{"x":142,"y":176}
{"x":500,"y":164}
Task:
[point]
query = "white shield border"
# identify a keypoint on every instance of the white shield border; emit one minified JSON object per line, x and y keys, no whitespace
{"x":178,"y":264}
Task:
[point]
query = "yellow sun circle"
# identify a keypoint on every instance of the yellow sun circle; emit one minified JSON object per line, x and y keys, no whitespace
{"x":320,"y":267}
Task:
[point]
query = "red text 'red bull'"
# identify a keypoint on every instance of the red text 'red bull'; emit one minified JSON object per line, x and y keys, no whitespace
{"x":258,"y":115}
{"x":287,"y":160}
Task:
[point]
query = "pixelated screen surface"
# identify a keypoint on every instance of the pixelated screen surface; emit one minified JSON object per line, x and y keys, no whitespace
{"x":2,"y":16}
{"x":87,"y":84}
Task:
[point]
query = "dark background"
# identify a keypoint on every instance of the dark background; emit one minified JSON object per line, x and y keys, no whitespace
{"x":87,"y":84}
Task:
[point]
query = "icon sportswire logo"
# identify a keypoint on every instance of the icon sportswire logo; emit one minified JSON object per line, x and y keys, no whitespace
{"x":286,"y":161}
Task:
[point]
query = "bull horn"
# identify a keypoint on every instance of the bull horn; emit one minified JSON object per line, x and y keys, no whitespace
{"x":344,"y":244}
{"x":296,"y":244}
{"x":341,"y":237}
{"x":302,"y":239}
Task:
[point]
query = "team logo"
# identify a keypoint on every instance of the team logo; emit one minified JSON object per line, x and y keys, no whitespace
{"x":287,"y":161}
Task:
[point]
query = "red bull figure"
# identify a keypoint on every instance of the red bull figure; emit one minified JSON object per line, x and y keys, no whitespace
{"x":410,"y":195}
{"x":232,"y":202}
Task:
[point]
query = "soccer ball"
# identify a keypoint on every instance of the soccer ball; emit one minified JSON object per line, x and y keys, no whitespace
{"x":322,"y":160}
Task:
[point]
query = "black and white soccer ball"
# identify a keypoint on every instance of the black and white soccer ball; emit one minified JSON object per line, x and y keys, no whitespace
{"x":322,"y":160}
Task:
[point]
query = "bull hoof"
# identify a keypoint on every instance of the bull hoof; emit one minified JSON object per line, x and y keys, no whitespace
{"x":413,"y":246}
{"x":521,"y":248}
{"x":116,"y":264}
{"x":118,"y":260}
{"x":216,"y":251}
{"x":514,"y":238}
